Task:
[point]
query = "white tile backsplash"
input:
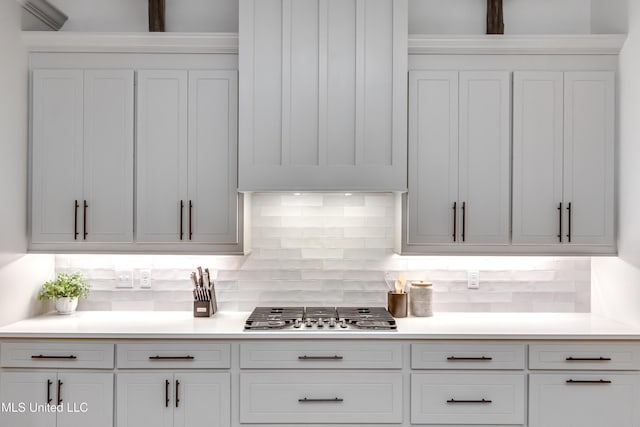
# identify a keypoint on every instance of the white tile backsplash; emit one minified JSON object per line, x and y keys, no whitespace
{"x":334,"y":249}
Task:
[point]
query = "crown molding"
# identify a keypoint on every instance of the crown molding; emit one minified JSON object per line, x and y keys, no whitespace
{"x":44,"y":12}
{"x":587,"y":44}
{"x":43,"y":41}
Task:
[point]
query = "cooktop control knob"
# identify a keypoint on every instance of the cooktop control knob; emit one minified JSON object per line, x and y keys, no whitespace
{"x":343,"y":323}
{"x":296,"y":323}
{"x":320,"y":323}
{"x":332,"y":323}
{"x":308,"y":324}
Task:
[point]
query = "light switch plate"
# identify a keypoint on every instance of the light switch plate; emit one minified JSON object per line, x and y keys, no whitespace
{"x":124,"y":279}
{"x":473,"y":279}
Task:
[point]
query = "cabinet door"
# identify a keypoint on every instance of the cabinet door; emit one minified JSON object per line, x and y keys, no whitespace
{"x":144,"y":399}
{"x":57,"y":155}
{"x":87,"y":399}
{"x":537,"y":156}
{"x":554,"y":402}
{"x":323,"y":94}
{"x":588,"y":156}
{"x":203,"y":399}
{"x":433,"y":156}
{"x":24,"y":395}
{"x":213,"y":123}
{"x":108,"y":156}
{"x":161,"y":156}
{"x":484,"y":189}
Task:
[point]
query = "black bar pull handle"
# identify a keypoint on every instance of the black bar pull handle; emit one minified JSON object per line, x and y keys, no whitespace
{"x":59,"y":392}
{"x":467,"y":359}
{"x":49,"y":384}
{"x":587,"y":359}
{"x":190,"y":219}
{"x":588,"y":382}
{"x":569,"y":227}
{"x":305,"y":357}
{"x":41,"y":356}
{"x":560,"y":222}
{"x":84,"y":221}
{"x":75,"y":219}
{"x":464,"y":221}
{"x":307,"y":400}
{"x":482,"y":401}
{"x":455,"y":220}
{"x":154,"y":358}
{"x":177,"y":394}
{"x":181,"y":221}
{"x":166,"y":393}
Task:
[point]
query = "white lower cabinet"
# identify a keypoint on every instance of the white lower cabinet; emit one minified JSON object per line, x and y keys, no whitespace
{"x":321,"y":397}
{"x":56,"y":399}
{"x":593,"y":399}
{"x":173,"y":399}
{"x":468,"y":398}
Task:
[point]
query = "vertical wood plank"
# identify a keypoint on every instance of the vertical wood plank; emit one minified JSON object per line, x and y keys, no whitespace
{"x":156,"y":15}
{"x":495,"y":20}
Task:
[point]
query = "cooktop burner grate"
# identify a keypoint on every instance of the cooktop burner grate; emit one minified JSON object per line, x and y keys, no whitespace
{"x":320,"y":318}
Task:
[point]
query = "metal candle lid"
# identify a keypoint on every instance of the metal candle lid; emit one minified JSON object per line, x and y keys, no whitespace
{"x":421,"y":283}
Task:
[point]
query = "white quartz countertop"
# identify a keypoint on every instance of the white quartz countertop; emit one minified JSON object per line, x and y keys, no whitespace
{"x":229,"y":325}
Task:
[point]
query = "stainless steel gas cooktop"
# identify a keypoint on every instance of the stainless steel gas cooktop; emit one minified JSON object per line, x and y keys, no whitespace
{"x":320,"y":319}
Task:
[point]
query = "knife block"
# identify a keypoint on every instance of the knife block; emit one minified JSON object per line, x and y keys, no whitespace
{"x":397,"y":304}
{"x":202,"y":309}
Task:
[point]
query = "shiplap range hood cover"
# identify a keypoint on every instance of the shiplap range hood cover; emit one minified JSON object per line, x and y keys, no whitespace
{"x":323,"y":95}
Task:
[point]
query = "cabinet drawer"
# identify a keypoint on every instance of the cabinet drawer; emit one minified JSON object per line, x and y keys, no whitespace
{"x":320,"y":397}
{"x":323,"y":355}
{"x":603,"y":356}
{"x":56,"y":355}
{"x":467,"y":398}
{"x":587,"y":400}
{"x":173,"y":355}
{"x":455,"y":355}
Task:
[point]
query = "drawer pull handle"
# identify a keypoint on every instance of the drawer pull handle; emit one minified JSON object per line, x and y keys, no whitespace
{"x":177,"y":394}
{"x":467,"y":359}
{"x":307,"y":400}
{"x":588,"y":359}
{"x":588,"y":382}
{"x":40,"y":356}
{"x":482,"y":401}
{"x":166,"y":393}
{"x":49,"y":384}
{"x":305,"y":357}
{"x":171,"y":358}
{"x":60,"y":392}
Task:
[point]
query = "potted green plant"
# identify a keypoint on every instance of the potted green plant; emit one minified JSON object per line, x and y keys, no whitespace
{"x":65,"y":289}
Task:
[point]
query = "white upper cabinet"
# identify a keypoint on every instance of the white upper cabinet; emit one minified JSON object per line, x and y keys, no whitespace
{"x":459,"y":163}
{"x":82,"y":165}
{"x":186,"y":157}
{"x":323,"y":95}
{"x":563,"y":158}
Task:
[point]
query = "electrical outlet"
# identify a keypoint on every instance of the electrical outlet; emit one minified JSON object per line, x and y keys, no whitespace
{"x":473,"y":279}
{"x":124,"y":278}
{"x":145,"y":279}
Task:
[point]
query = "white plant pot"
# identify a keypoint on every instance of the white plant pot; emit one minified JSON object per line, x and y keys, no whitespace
{"x":66,"y":305}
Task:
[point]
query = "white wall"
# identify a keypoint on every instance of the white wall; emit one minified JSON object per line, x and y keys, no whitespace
{"x":616,"y":281}
{"x":425,"y":16}
{"x":520,"y":16}
{"x":609,"y":16}
{"x":131,"y":15}
{"x":20,"y":274}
